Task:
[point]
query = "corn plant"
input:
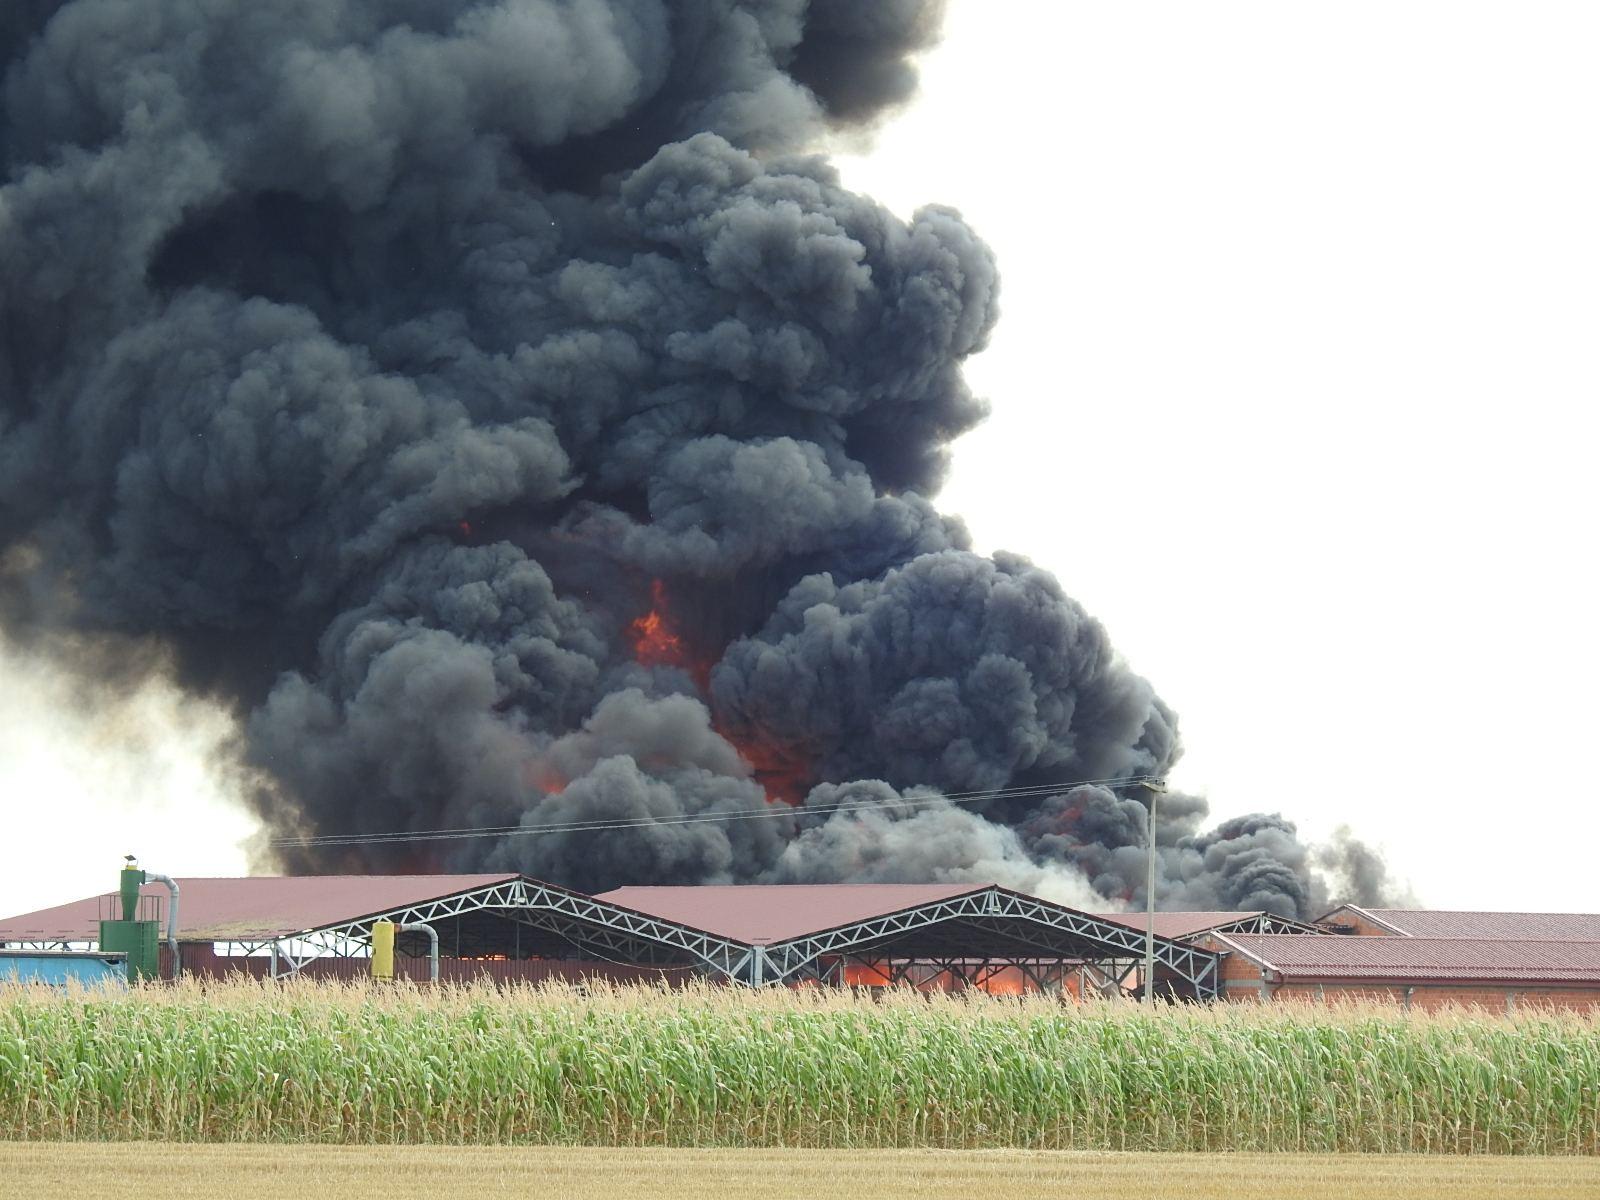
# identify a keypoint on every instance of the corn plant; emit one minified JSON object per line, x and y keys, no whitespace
{"x":328,"y":1062}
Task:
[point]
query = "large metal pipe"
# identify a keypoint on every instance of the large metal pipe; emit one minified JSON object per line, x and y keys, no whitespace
{"x":172,"y":917}
{"x":433,"y":946}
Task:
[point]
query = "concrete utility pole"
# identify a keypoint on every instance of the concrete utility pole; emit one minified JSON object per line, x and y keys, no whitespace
{"x":1155,"y":787}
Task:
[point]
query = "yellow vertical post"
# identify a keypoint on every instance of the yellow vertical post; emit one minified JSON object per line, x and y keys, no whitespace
{"x":383,"y":949}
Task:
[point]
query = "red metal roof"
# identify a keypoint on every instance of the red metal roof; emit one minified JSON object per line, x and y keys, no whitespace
{"x":1400,"y":959}
{"x":759,"y":914}
{"x":1499,"y":926}
{"x":253,"y":909}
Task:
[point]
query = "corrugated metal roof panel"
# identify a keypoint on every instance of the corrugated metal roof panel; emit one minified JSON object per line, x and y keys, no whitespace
{"x":1396,"y":959}
{"x":256,"y":908}
{"x":760,"y":914}
{"x":1501,"y":926}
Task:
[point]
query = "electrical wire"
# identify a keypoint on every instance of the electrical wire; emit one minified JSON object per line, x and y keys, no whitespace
{"x":769,"y":812}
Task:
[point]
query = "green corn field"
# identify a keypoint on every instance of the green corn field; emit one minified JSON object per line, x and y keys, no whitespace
{"x":816,"y":1068}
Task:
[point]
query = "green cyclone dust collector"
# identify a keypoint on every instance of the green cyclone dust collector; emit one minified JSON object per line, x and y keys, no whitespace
{"x":138,"y":939}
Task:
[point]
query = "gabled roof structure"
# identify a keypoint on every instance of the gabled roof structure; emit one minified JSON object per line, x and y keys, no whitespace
{"x":1493,"y":926}
{"x":253,"y":909}
{"x":301,"y":918}
{"x":1466,"y":960}
{"x":795,"y":927}
{"x":761,"y":914}
{"x":754,"y":935}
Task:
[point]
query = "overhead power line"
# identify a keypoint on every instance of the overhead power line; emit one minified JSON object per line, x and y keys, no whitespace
{"x":768,"y":812}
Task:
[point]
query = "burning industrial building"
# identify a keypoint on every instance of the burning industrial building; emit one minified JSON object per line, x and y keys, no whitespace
{"x":501,"y":407}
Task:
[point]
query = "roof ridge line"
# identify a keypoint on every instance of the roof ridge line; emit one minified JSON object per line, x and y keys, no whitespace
{"x":1487,"y":912}
{"x":1377,"y":920}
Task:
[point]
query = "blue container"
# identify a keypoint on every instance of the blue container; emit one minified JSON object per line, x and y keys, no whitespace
{"x":59,"y":968}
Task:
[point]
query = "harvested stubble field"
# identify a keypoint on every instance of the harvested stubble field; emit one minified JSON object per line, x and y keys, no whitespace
{"x":44,"y":1170}
{"x":716,"y":1067}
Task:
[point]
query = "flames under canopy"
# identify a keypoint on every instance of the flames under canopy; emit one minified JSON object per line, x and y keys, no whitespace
{"x":501,"y":405}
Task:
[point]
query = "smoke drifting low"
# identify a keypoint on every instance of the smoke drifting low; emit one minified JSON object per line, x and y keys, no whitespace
{"x":502,"y":408}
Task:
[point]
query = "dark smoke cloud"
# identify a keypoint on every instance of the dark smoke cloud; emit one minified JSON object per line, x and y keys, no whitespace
{"x":1355,"y":873}
{"x":866,"y":832}
{"x":372,"y":358}
{"x":954,"y":671}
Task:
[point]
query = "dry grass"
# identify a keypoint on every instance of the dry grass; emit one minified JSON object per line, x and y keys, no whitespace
{"x":716,"y":1067}
{"x":428,"y":1172}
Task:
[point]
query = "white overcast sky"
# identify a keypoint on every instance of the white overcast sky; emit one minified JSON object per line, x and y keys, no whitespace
{"x":1294,"y":388}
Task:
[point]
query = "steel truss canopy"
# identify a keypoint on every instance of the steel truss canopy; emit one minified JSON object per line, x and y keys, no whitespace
{"x":959,"y":923}
{"x":522,"y":917}
{"x":1183,"y":926}
{"x":755,"y":935}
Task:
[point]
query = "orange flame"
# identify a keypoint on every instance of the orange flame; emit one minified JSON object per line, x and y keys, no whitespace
{"x":1007,"y":981}
{"x":862,"y":975}
{"x":659,"y":642}
{"x":778,"y":771}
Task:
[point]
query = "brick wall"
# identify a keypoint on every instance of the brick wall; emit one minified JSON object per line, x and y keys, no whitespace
{"x":1242,"y":982}
{"x":1241,"y":976}
{"x":1363,"y":926}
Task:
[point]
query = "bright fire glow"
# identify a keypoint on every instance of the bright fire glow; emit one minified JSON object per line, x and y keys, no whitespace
{"x":1007,"y":981}
{"x":1001,"y":981}
{"x":783,"y":777}
{"x":546,"y":778}
{"x":658,"y":641}
{"x":861,"y":975}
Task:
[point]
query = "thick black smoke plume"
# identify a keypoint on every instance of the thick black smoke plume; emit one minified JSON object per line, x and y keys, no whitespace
{"x":389,"y":361}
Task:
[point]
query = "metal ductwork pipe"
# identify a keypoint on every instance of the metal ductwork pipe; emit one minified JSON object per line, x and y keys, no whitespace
{"x":172,"y":918}
{"x":433,"y":947}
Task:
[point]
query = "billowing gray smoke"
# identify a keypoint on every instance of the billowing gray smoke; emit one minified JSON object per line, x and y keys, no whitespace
{"x":392,"y":361}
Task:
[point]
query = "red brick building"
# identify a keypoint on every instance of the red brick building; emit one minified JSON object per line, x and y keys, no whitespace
{"x":953,"y":935}
{"x":1426,"y":973}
